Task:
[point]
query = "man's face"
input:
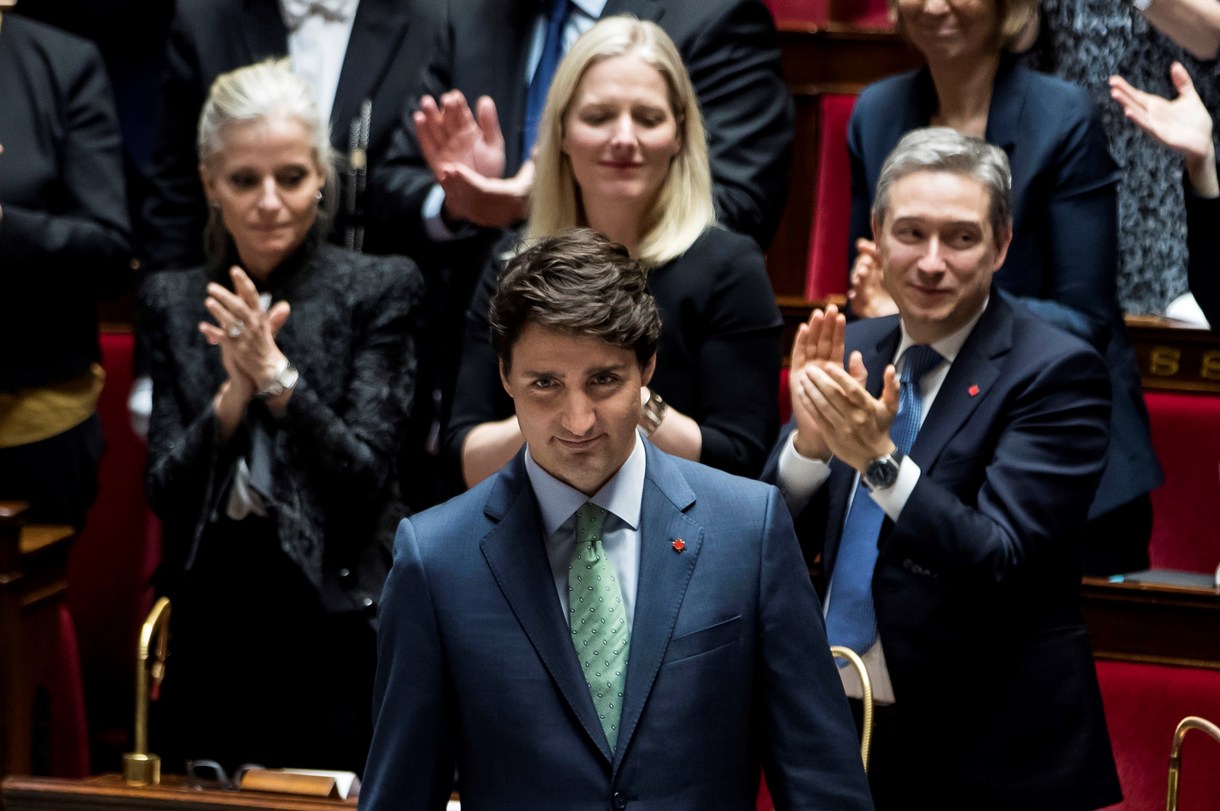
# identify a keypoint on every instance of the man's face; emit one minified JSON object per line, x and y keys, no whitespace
{"x":578,"y":403}
{"x":938,"y":251}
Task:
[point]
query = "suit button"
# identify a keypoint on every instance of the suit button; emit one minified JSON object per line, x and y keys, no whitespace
{"x":369,"y":606}
{"x":618,"y":802}
{"x":345,"y":577}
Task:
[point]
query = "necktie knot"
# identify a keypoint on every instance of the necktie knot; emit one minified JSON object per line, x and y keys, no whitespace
{"x":589,"y":521}
{"x":919,"y":360}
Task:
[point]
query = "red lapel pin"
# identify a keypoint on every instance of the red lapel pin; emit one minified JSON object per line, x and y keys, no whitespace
{"x":973,"y":390}
{"x":679,"y":544}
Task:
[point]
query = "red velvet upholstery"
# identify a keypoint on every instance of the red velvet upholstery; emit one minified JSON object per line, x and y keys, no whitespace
{"x":1144,"y":704}
{"x":69,"y":735}
{"x":803,"y":11}
{"x":868,"y":13}
{"x":830,"y":229}
{"x":110,"y":566}
{"x":1186,"y":510}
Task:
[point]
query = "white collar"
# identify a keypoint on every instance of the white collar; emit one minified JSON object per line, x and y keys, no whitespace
{"x":622,"y":495}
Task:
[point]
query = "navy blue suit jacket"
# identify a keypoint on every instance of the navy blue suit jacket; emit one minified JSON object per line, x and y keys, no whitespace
{"x":1063,"y":261}
{"x":728,"y":668}
{"x":976,"y":586}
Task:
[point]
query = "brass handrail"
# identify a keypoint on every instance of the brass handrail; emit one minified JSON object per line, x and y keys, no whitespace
{"x":1175,"y":753}
{"x":866,"y":691}
{"x":141,"y":767}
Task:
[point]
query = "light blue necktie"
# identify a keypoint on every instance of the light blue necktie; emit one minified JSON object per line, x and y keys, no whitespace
{"x":552,"y":52}
{"x":850,"y":620}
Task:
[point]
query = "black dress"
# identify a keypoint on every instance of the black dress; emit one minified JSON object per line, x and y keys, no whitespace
{"x":272,"y":651}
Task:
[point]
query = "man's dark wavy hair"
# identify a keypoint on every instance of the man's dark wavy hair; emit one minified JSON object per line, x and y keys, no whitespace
{"x":576,"y":281}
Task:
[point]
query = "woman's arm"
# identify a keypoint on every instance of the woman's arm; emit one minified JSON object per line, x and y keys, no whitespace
{"x":351,"y":437}
{"x":739,"y":358}
{"x":1193,"y":24}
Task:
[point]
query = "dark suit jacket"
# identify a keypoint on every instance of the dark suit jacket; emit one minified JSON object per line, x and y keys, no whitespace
{"x":332,"y":460}
{"x":1063,"y":261}
{"x":728,"y":666}
{"x":977,"y":583}
{"x":389,"y":41}
{"x":717,"y":360}
{"x":729,"y":49}
{"x":1202,"y":220}
{"x":65,"y":239}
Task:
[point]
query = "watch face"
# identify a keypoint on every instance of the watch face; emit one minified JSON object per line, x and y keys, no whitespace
{"x":881,"y":473}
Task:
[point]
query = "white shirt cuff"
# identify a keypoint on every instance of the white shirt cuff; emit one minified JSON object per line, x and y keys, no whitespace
{"x":434,"y":224}
{"x":799,"y":477}
{"x":892,"y":499}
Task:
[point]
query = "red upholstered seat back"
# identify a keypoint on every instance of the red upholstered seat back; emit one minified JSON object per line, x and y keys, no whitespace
{"x":1186,"y":509}
{"x":830,"y":228}
{"x":1144,"y":704}
{"x":110,"y":566}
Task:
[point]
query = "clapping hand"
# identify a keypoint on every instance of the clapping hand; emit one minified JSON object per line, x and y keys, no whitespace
{"x":246,"y":336}
{"x":1182,"y":124}
{"x":867,"y":294}
{"x":465,"y":151}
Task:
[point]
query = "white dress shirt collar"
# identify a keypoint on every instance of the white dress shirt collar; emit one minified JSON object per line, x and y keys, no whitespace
{"x":950,"y":345}
{"x":620,"y":496}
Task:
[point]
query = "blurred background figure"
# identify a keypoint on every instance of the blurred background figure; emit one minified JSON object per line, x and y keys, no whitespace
{"x":1063,"y":260}
{"x":448,"y":199}
{"x":1185,"y":126}
{"x":283,"y":371}
{"x":359,"y":59}
{"x":621,"y":149}
{"x":65,"y":243}
{"x":1086,"y":42}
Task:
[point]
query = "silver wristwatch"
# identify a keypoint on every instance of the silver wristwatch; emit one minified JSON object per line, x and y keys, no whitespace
{"x":283,"y":381}
{"x":882,"y":472}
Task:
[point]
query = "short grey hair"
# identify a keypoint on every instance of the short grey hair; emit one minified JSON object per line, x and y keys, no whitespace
{"x":253,"y":93}
{"x":940,"y":149}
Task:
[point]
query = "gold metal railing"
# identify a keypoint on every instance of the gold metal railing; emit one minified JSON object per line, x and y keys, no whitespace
{"x":1175,"y":753}
{"x":866,"y":691}
{"x":141,"y":767}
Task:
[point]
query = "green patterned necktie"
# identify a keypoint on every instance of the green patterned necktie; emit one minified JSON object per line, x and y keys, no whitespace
{"x":599,"y":619}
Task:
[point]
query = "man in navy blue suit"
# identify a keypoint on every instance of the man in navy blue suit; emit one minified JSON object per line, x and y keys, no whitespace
{"x":703,"y":655}
{"x":946,"y":503}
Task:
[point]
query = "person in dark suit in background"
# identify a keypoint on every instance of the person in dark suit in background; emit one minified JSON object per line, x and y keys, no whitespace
{"x":941,"y":463}
{"x":272,"y":444}
{"x":351,"y":51}
{"x":702,"y":655}
{"x":65,"y":243}
{"x":449,"y":194}
{"x":1065,"y":192}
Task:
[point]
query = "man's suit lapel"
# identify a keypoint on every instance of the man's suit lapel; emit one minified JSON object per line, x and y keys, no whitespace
{"x":876,"y":357}
{"x":665,"y":572}
{"x":514,"y":552}
{"x":968,"y":383}
{"x":378,"y":32}
{"x":263,"y":29}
